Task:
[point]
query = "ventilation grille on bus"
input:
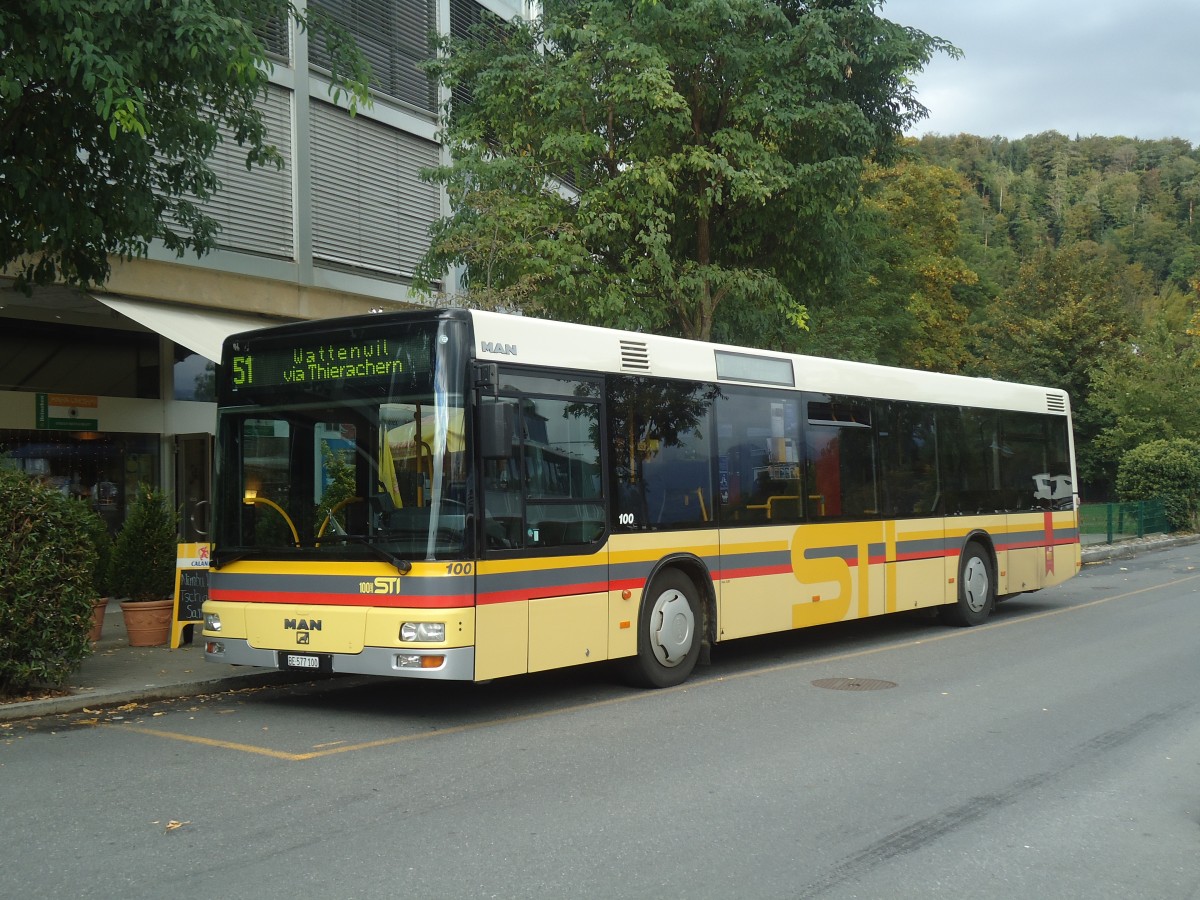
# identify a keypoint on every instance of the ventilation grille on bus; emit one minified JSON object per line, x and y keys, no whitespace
{"x":1056,"y":403}
{"x":635,"y":357}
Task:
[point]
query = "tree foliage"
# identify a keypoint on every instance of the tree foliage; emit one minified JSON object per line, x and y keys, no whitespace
{"x":109,"y":112}
{"x":899,"y":300}
{"x":1075,"y":262}
{"x":653,"y":165}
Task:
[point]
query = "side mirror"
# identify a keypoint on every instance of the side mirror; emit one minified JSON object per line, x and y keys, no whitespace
{"x":497,"y":425}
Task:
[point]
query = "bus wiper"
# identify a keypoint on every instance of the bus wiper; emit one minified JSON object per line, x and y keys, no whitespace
{"x":219,"y":559}
{"x":403,"y":566}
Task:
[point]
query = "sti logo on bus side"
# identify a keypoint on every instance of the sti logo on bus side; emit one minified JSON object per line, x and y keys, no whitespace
{"x":501,"y":349}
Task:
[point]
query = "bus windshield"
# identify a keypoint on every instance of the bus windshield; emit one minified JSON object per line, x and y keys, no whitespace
{"x":344,"y":445}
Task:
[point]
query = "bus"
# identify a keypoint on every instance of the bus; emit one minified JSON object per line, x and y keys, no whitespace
{"x":465,"y":495}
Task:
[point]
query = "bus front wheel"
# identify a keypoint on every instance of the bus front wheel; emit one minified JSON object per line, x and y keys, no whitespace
{"x":976,"y":589}
{"x":669,"y":632}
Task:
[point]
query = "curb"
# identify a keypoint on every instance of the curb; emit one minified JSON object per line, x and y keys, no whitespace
{"x":74,"y":703}
{"x":1125,"y":549}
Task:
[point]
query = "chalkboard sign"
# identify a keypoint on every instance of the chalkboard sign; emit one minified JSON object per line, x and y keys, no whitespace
{"x":191,"y":590}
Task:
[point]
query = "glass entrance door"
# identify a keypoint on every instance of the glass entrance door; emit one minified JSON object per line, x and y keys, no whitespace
{"x":193,"y":486}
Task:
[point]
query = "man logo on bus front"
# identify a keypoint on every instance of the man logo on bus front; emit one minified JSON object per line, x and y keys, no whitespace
{"x":302,"y":637}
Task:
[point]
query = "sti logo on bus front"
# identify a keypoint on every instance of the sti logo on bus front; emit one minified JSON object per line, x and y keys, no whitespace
{"x":381,"y":585}
{"x":501,"y":349}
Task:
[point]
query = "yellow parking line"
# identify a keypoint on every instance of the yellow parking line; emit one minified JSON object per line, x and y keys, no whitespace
{"x":626,"y":698}
{"x":210,"y":742}
{"x":382,"y":742}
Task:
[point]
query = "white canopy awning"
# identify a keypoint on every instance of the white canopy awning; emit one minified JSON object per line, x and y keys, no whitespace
{"x":200,"y":330}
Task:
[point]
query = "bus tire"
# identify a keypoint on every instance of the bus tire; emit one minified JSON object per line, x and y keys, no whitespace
{"x":976,"y":589}
{"x":670,"y":632}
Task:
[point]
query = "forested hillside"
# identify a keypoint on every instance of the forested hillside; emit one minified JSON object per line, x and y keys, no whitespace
{"x":1073,"y":263}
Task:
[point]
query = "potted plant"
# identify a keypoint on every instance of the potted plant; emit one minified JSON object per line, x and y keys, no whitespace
{"x":142,"y":568}
{"x":97,"y":534}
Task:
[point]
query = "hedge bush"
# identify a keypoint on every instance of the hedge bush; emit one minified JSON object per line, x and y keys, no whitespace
{"x":46,"y":590}
{"x":1165,"y":469}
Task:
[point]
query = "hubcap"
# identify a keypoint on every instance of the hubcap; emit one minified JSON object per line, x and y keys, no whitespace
{"x":672,"y":628}
{"x":975,"y":584}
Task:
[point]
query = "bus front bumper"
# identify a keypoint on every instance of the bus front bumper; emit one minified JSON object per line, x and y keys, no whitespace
{"x":448,"y":664}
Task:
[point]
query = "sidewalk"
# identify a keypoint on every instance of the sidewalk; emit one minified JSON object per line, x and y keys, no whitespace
{"x":116,"y":673}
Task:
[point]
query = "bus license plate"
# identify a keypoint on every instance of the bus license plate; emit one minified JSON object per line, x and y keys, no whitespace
{"x":312,"y":661}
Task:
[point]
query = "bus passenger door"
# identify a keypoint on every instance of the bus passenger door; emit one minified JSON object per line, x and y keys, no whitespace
{"x":542,"y":585}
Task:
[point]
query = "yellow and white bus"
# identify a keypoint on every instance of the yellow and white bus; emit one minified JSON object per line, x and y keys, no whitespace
{"x":464,"y":495}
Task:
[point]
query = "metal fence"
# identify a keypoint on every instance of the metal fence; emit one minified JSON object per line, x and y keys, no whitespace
{"x":1108,"y":522}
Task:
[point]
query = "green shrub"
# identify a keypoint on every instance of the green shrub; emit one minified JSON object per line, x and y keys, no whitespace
{"x":142,"y":566}
{"x":46,"y":591}
{"x":97,"y":533}
{"x":1165,"y":469}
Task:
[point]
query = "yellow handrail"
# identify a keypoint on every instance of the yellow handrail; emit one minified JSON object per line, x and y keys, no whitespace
{"x":251,"y":498}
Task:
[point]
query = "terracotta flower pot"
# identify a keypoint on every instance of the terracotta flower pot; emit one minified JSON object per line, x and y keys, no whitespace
{"x":98,"y":609}
{"x":148,"y":622}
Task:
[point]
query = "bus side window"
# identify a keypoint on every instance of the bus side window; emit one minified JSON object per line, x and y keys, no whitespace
{"x":548,"y":493}
{"x":840,"y":442}
{"x":970,"y":439}
{"x":908,"y":459}
{"x":1034,"y":470}
{"x":758,"y":438}
{"x":662,"y":459}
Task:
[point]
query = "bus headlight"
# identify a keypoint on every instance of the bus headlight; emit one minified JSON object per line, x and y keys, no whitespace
{"x":212,"y":622}
{"x":423,"y":632}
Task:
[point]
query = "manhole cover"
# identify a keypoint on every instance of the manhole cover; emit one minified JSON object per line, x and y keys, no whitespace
{"x":854,"y":684}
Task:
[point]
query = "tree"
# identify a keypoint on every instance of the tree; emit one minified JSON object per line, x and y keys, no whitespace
{"x":1149,"y":391}
{"x":1070,"y":311}
{"x":652,"y":164}
{"x":109,"y":111}
{"x":898,"y":302}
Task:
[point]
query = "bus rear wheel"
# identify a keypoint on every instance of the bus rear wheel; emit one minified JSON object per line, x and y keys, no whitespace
{"x":669,"y":632}
{"x":976,"y":589}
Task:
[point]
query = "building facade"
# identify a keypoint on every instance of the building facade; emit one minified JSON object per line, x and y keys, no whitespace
{"x":103,"y":390}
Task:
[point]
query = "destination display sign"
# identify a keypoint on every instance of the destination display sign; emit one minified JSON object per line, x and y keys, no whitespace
{"x":321,"y":361}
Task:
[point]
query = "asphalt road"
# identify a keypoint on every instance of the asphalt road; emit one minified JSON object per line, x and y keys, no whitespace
{"x":1054,"y":752}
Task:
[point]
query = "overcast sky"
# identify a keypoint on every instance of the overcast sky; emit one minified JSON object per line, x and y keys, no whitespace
{"x":1079,"y":67}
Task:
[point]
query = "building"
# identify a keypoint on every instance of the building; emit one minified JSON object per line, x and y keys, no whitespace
{"x":100,"y":391}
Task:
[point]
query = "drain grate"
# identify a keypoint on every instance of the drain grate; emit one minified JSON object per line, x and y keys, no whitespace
{"x":854,"y":684}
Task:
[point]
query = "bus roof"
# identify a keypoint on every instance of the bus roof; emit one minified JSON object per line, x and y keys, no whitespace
{"x":501,"y":337}
{"x":523,"y":340}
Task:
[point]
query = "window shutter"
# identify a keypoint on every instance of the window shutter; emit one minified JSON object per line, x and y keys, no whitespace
{"x":370,"y":208}
{"x":255,"y":207}
{"x":394,"y":36}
